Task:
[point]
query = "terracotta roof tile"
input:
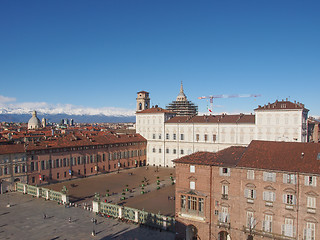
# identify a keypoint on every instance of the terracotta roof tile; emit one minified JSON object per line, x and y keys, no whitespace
{"x":224,"y":118}
{"x":283,"y":156}
{"x":227,"y":157}
{"x":281,"y":105}
{"x":10,"y":149}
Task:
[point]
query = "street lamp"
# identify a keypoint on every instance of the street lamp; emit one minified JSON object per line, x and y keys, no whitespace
{"x":93,"y":223}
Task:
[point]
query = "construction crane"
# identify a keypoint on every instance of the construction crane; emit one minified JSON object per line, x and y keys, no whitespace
{"x":211,"y":97}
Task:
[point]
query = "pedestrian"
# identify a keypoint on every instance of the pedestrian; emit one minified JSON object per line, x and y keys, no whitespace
{"x":44,"y":216}
{"x":69,"y":219}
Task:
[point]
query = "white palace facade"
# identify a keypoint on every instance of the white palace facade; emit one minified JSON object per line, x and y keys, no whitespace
{"x":170,"y":137}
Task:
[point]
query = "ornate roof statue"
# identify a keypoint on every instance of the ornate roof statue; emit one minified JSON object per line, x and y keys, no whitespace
{"x":181,"y":96}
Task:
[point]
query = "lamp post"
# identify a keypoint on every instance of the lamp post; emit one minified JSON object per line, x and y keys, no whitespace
{"x":93,"y":223}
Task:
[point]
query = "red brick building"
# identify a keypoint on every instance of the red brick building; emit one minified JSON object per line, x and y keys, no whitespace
{"x":268,"y":190}
{"x":83,"y":154}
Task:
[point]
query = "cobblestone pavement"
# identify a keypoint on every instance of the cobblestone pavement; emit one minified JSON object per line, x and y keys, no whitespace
{"x":25,"y":220}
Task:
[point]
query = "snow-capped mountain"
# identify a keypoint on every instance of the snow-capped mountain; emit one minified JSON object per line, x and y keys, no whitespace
{"x":54,"y":113}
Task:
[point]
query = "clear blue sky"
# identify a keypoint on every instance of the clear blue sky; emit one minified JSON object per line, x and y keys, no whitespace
{"x":101,"y":53}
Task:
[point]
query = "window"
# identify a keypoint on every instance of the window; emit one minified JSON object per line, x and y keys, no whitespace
{"x":269,"y":176}
{"x":167,"y":136}
{"x":159,"y":150}
{"x":181,"y":151}
{"x":183,"y":201}
{"x":267,"y":223}
{"x":224,"y":215}
{"x":33,"y":179}
{"x":192,"y":203}
{"x":205,"y":137}
{"x":192,"y":185}
{"x":32,"y":166}
{"x":58,"y":175}
{"x":250,"y":193}
{"x":289,"y":199}
{"x":174,"y":136}
{"x":153,"y":136}
{"x":181,"y":136}
{"x":289,"y":178}
{"x":154,"y":150}
{"x":159,"y":136}
{"x":311,"y":202}
{"x":288,"y":228}
{"x":192,"y":169}
{"x":309,"y":231}
{"x":214,"y":137}
{"x":200,"y":204}
{"x":269,"y":196}
{"x":197,"y":137}
{"x":174,"y":151}
{"x":167,"y":150}
{"x":65,"y":174}
{"x":250,"y":174}
{"x":224,"y":191}
{"x":224,"y":171}
{"x":310,"y":181}
{"x":250,"y":220}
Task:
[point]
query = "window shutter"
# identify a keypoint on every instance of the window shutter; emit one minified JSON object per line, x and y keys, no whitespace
{"x":285,"y":178}
{"x":314,"y":183}
{"x":294,"y":179}
{"x":229,"y":170}
{"x":273,"y":177}
{"x":283,"y":229}
{"x":306,"y":180}
{"x":246,"y":192}
{"x":220,"y":171}
{"x":294,"y":199}
{"x":284,"y":198}
{"x":273,"y":196}
{"x":265,"y":176}
{"x":265,"y":196}
{"x":254,"y":194}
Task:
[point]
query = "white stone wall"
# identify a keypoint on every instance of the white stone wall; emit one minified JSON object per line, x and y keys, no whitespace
{"x":270,"y":125}
{"x":281,"y":125}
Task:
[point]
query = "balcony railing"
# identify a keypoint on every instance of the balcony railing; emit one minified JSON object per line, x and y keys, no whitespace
{"x":224,"y":196}
{"x":271,"y":235}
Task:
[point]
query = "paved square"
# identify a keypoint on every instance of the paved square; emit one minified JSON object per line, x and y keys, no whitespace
{"x":25,"y":220}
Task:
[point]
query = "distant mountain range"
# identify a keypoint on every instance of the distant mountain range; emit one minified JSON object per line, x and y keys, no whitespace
{"x":54,"y":114}
{"x":56,"y":118}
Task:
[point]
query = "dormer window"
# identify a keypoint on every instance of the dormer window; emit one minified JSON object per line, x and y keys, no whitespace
{"x":224,"y":171}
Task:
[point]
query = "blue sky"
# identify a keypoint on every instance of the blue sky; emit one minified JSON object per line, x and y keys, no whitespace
{"x":99,"y":54}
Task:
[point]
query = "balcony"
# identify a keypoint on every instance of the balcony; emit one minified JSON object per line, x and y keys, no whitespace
{"x":289,"y":206}
{"x":224,"y":196}
{"x":224,"y":220}
{"x":192,"y":214}
{"x":311,"y":210}
{"x":250,"y":200}
{"x":262,"y":233}
{"x":269,"y":204}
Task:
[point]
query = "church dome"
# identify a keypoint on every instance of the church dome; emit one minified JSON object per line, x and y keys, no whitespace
{"x":34,"y":122}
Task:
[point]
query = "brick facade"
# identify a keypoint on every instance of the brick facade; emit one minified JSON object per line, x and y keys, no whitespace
{"x":239,"y":201}
{"x":80,"y":158}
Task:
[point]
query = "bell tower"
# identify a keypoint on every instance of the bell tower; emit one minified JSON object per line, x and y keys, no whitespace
{"x":143,"y":101}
